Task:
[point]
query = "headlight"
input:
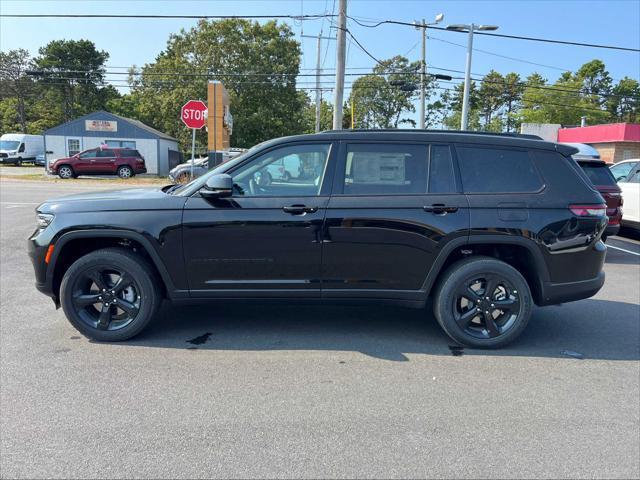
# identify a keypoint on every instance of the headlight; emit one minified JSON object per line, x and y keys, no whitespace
{"x":44,"y":220}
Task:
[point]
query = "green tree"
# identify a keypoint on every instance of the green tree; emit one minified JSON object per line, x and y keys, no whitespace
{"x":491,"y":99}
{"x":512,"y":96}
{"x":264,"y":103}
{"x":74,"y":69}
{"x":16,"y":86}
{"x":381,"y":99}
{"x":624,"y":102}
{"x":453,"y":103}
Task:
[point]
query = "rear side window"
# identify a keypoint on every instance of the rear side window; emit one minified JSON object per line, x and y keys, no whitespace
{"x":127,"y":152}
{"x":441,"y":173}
{"x":106,"y":153}
{"x":497,"y":170}
{"x":385,"y":169}
{"x":598,"y":173}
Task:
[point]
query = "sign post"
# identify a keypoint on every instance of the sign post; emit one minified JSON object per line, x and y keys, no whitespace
{"x":194,"y":116}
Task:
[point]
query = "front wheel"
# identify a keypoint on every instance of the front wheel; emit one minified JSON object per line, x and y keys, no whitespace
{"x":65,"y":172}
{"x":483,"y":302}
{"x":110,"y":295}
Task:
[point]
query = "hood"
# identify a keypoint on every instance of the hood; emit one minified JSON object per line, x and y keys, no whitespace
{"x":113,"y":200}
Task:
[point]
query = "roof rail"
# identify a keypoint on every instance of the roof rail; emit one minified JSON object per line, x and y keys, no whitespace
{"x":455,"y":132}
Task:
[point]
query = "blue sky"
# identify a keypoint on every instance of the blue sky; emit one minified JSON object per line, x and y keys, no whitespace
{"x":138,"y":41}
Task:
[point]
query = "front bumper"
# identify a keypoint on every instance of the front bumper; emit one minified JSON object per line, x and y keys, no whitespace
{"x":37,"y":254}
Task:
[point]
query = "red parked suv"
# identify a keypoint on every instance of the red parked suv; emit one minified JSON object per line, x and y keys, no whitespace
{"x":124,"y":162}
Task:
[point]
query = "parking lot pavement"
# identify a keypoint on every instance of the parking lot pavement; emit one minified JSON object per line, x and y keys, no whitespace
{"x":231,"y":390}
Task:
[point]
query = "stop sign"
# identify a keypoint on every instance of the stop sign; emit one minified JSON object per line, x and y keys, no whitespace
{"x":194,"y":114}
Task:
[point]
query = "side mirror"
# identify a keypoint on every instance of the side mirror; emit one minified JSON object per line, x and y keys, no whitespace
{"x":218,"y":186}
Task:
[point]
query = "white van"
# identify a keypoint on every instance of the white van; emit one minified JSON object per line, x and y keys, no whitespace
{"x":19,"y":147}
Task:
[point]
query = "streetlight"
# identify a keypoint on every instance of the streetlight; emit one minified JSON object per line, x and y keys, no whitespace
{"x":423,"y":65}
{"x":467,"y":76}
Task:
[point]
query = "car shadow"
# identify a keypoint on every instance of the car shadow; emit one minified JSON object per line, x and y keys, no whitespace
{"x":594,"y":329}
{"x":621,"y":258}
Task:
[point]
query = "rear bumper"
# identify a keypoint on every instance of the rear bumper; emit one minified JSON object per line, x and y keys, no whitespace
{"x":555,"y":293}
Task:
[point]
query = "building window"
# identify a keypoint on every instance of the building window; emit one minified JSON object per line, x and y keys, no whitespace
{"x":120,"y":144}
{"x":73,"y":146}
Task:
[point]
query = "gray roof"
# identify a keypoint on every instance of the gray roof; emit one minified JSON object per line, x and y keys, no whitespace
{"x":76,"y":126}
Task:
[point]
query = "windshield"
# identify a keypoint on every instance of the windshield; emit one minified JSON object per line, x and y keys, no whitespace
{"x":598,"y":173}
{"x":198,"y":183}
{"x":9,"y":144}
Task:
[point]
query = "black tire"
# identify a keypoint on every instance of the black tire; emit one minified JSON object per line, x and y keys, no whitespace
{"x":125,"y":172}
{"x":66,"y":172}
{"x":18,"y":162}
{"x":134,"y":270}
{"x":464,"y":309}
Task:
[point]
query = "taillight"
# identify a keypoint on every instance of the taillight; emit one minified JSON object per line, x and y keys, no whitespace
{"x":589,"y":210}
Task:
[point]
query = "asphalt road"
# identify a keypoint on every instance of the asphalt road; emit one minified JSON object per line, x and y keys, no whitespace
{"x":307,"y":391}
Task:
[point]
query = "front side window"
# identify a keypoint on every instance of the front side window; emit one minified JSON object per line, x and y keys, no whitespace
{"x":295,"y":170}
{"x":497,"y":170}
{"x":73,"y":146}
{"x":385,"y":169}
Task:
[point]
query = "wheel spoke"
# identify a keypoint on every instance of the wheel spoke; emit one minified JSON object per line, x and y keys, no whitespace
{"x":491,"y":325}
{"x":123,"y":282}
{"x":490,"y":286}
{"x":129,"y":308}
{"x":507,"y":305}
{"x":97,"y":278}
{"x":105,"y":318}
{"x":82,"y":301}
{"x":465,"y":319}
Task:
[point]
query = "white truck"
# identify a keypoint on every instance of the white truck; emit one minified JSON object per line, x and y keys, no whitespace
{"x":17,"y":148}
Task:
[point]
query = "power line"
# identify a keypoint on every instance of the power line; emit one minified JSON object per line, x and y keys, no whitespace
{"x":193,"y":17}
{"x":502,"y":35}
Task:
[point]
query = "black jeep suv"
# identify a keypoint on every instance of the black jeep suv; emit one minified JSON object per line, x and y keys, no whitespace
{"x":484,"y":224}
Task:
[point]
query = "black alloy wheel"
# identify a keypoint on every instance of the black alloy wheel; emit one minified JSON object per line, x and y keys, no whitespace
{"x":110,"y":294}
{"x":483,"y":302}
{"x":486,"y":306}
{"x":105,"y":298}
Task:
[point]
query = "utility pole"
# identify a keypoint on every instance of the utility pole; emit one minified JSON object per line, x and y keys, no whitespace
{"x":423,"y":63}
{"x":423,"y":72}
{"x":341,"y":37}
{"x":318,"y":72}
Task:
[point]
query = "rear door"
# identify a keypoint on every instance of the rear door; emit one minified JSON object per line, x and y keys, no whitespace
{"x":105,"y":161}
{"x":393,"y":207}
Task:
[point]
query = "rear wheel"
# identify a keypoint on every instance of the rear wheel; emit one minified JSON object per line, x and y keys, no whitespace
{"x":65,"y":172}
{"x":483,"y":302}
{"x":125,"y":171}
{"x":110,"y":295}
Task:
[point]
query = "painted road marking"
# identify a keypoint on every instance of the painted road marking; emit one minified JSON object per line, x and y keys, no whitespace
{"x":623,"y":250}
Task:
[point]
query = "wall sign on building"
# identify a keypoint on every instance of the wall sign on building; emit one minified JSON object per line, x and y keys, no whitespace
{"x":101,"y":125}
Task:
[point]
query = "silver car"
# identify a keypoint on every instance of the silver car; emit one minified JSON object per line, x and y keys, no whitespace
{"x":182,"y":173}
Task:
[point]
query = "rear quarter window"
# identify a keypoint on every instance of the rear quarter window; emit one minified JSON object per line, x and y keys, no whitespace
{"x":497,"y":170}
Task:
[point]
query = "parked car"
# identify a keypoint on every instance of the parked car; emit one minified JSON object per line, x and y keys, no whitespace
{"x":485,"y":225}
{"x":182,"y":173}
{"x":17,"y":148}
{"x":627,"y":173}
{"x":124,"y":162}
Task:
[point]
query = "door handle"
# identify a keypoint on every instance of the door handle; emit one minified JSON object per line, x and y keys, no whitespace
{"x":299,"y":209}
{"x":440,"y":209}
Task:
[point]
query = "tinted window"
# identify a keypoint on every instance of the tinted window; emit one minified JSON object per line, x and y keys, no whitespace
{"x":127,"y":152}
{"x":385,"y":169}
{"x":441,"y":173}
{"x":598,"y":173}
{"x":497,"y":170}
{"x":106,"y":153}
{"x":635,"y":178}
{"x":262,"y":176}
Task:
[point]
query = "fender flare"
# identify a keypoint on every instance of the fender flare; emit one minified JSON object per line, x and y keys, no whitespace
{"x":111,"y":233}
{"x":530,"y":245}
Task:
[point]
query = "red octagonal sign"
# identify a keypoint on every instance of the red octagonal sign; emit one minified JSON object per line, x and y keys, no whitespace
{"x":194,"y":114}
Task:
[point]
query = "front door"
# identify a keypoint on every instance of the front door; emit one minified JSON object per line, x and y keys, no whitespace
{"x":266,"y":239}
{"x":86,"y":162}
{"x":394,"y":206}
